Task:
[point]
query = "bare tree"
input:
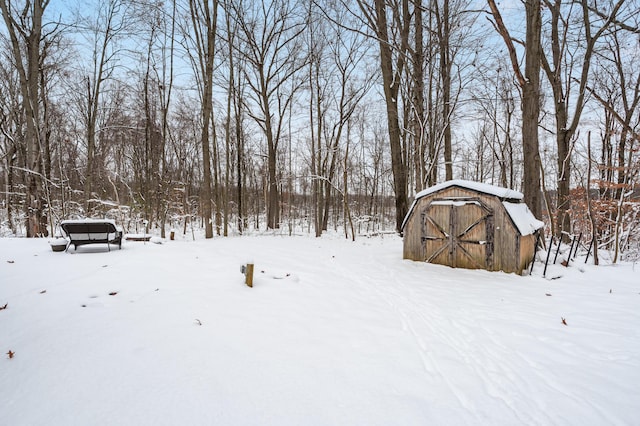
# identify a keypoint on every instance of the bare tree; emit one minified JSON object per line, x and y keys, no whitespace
{"x":270,"y":44}
{"x":338,"y":82}
{"x":11,"y":119}
{"x":393,"y":40}
{"x":165,"y":77}
{"x":563,"y":72}
{"x":617,"y":91}
{"x":25,"y":27}
{"x":495,"y":102}
{"x":230,"y":32}
{"x":204,"y":17}
{"x":529,"y":83}
{"x":234,"y":131}
{"x":418,"y":112}
{"x":443,"y":31}
{"x":103,"y":31}
{"x":592,"y":218}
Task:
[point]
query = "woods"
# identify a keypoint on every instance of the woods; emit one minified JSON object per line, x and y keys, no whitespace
{"x":290,"y":116}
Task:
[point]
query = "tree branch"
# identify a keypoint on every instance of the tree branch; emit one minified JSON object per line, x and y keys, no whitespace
{"x":502,"y":30}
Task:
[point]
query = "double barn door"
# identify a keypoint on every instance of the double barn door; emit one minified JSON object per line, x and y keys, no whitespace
{"x":458,"y":232}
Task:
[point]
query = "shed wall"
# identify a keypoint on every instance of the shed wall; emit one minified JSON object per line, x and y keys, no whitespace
{"x":527,"y":251}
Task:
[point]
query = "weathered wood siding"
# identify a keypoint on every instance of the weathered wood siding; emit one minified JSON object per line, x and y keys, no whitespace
{"x":442,"y":217}
{"x":503,"y":249}
{"x":527,"y":251}
{"x":471,"y":254}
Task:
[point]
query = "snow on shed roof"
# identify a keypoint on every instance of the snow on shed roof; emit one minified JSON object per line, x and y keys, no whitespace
{"x":475,"y":186}
{"x":522,"y":218}
{"x":89,"y":220}
{"x":498,"y":191}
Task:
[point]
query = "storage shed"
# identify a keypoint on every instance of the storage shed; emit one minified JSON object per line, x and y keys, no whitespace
{"x":472,"y":225}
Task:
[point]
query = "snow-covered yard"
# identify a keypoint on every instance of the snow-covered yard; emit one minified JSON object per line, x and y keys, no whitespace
{"x":332,"y":333}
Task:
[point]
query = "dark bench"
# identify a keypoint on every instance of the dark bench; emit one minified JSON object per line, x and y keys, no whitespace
{"x":92,"y":231}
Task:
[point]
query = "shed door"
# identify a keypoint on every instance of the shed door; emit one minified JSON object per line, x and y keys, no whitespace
{"x":458,"y":233}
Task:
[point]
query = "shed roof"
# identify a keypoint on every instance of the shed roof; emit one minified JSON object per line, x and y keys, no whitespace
{"x":475,"y":186}
{"x":524,"y":220}
{"x":89,"y":220}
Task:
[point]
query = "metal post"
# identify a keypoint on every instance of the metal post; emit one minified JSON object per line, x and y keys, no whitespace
{"x":590,"y":247}
{"x":575,"y":253}
{"x":573,"y":241}
{"x":558,"y":250}
{"x":535,"y":251}
{"x":546,"y":262}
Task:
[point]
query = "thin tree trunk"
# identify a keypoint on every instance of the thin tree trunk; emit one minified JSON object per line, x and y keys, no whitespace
{"x":418,"y":100}
{"x":592,"y":219}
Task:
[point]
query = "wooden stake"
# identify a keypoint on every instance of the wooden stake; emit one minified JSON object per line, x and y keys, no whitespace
{"x":248,"y":280}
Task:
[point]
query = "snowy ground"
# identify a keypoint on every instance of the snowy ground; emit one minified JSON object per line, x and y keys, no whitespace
{"x":332,"y":333}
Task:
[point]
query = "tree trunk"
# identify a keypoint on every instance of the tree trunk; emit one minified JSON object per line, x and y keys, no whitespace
{"x":391,"y":84}
{"x":531,"y":108}
{"x":442,"y":21}
{"x":204,"y":20}
{"x":592,"y":219}
{"x":419,"y":121}
{"x":530,"y":84}
{"x":241,"y":169}
{"x":36,"y":221}
{"x":273,"y":196}
{"x":206,"y":158}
